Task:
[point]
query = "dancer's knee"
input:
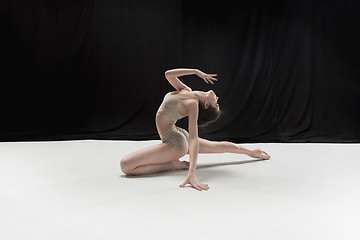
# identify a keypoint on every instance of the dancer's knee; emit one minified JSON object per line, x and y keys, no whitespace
{"x":125,"y":165}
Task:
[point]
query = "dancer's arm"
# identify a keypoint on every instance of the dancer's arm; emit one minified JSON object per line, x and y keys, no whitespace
{"x":173,"y":74}
{"x":192,"y":109}
{"x":193,"y":136}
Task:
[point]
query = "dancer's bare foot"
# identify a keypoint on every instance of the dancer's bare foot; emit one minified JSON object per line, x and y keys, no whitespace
{"x":257,"y":153}
{"x":181,"y":164}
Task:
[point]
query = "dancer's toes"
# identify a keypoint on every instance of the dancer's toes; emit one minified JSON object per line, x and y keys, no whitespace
{"x":265,"y":155}
{"x":257,"y":153}
{"x":186,"y":164}
{"x":181,"y":165}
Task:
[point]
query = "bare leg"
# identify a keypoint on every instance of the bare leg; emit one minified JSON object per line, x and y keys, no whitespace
{"x":154,"y":168}
{"x":206,"y":146}
{"x":230,"y":147}
{"x":233,"y":148}
{"x":152,"y":159}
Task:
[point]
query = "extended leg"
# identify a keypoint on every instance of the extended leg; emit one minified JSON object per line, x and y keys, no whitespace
{"x":206,"y":146}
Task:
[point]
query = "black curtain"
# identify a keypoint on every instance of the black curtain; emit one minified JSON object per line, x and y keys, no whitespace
{"x":88,"y":69}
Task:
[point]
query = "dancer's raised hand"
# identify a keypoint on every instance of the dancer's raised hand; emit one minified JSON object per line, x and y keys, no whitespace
{"x":207,"y":77}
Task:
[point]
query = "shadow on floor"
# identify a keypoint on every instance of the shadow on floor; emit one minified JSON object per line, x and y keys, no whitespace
{"x":199,"y":166}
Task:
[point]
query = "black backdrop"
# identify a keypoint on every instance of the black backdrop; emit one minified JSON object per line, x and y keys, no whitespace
{"x":94,"y":69}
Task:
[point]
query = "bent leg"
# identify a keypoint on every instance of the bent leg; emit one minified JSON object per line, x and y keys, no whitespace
{"x":151,"y":159}
{"x":152,"y":168}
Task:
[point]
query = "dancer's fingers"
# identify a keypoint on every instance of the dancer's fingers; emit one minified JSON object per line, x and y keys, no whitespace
{"x":196,"y":187}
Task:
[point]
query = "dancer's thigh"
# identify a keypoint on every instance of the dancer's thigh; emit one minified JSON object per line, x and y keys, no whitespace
{"x":160,"y":153}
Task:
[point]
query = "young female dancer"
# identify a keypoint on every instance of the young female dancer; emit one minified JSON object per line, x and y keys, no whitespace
{"x":201,"y":108}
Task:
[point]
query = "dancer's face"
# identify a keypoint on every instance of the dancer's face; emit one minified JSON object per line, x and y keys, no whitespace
{"x":212,"y":99}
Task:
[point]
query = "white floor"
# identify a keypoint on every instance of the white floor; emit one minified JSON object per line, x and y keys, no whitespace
{"x":75,"y":190}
